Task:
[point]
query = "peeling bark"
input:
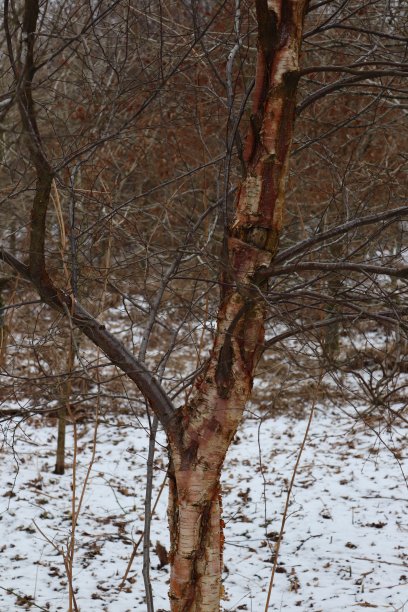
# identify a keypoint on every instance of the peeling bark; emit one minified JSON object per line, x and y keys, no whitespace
{"x":209,"y":423}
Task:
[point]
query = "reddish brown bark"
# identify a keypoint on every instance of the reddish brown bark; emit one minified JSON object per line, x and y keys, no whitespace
{"x":209,"y":423}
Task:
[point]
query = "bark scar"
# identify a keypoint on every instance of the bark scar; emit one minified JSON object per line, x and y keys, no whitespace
{"x":223,"y":372}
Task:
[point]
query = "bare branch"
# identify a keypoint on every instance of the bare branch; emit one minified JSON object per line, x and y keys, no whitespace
{"x":108,"y":343}
{"x":359,"y":75}
{"x":362,"y":30}
{"x":336,"y":267}
{"x":303,"y":246}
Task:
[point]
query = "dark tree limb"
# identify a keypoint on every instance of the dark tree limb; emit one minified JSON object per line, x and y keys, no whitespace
{"x":370,"y":32}
{"x":301,"y":247}
{"x":358,"y":76}
{"x":118,"y":354}
{"x":337,"y":266}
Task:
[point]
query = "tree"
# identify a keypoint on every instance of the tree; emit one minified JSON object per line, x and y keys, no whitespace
{"x":96,"y":150}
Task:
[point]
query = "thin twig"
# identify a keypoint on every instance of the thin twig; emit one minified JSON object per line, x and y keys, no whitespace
{"x":285,"y":512}
{"x":29,"y":601}
{"x":136,"y":546}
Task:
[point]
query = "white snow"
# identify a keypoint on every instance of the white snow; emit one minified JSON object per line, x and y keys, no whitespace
{"x":344,"y":544}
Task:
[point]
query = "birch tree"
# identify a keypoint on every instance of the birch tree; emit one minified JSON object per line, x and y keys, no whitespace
{"x":200,"y":431}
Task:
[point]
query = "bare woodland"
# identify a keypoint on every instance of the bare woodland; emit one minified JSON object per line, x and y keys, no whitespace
{"x":194,"y":193}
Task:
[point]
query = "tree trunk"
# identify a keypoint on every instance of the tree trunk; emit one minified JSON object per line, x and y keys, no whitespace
{"x":60,"y":455}
{"x":207,"y":425}
{"x":64,"y":410}
{"x":196,"y":535}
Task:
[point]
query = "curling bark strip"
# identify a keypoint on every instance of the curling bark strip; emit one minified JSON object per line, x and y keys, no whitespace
{"x":209,"y":422}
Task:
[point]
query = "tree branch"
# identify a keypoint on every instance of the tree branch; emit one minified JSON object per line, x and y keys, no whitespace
{"x":354,"y":69}
{"x":335,"y":267}
{"x":389,"y":215}
{"x":108,"y":343}
{"x":387,"y":317}
{"x":359,"y":75}
{"x":339,"y":26}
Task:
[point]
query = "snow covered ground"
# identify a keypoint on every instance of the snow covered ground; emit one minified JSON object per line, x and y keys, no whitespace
{"x":344,"y":545}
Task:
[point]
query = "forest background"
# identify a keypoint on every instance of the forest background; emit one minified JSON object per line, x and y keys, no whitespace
{"x":124,"y":152}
